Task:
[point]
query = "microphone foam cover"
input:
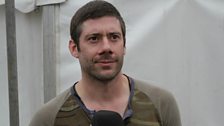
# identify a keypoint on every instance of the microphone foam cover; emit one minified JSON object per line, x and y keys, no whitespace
{"x":107,"y":118}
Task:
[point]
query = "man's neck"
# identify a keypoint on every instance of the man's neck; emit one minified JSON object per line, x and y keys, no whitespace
{"x":101,"y":89}
{"x":112,"y":95}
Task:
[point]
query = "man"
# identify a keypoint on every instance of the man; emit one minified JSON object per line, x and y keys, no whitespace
{"x":98,"y":41}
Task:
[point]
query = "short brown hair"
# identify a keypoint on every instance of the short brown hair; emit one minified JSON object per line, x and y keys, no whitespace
{"x":92,"y":10}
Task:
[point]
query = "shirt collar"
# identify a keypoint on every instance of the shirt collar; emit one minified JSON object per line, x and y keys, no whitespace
{"x":128,"y":113}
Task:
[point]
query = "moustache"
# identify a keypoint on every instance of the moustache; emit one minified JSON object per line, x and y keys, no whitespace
{"x":105,"y":58}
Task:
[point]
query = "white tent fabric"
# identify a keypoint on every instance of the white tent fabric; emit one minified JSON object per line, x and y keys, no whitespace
{"x":2,"y":2}
{"x":30,"y":66}
{"x":26,"y":6}
{"x":176,"y":44}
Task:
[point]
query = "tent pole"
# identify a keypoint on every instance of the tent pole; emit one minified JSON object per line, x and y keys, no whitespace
{"x":49,"y":51}
{"x":12,"y":63}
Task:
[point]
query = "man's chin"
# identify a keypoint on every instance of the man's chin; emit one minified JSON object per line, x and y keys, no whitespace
{"x":106,"y":76}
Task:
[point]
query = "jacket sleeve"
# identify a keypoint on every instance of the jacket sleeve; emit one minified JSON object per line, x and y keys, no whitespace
{"x":47,"y":113}
{"x":169,"y":111}
{"x":164,"y":102}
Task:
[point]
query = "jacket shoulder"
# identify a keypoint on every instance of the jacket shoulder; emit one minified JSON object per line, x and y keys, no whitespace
{"x":45,"y":116}
{"x":163,"y":100}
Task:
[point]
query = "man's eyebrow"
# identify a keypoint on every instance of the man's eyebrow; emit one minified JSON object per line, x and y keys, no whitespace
{"x":116,"y":33}
{"x":99,"y":34}
{"x":93,"y":34}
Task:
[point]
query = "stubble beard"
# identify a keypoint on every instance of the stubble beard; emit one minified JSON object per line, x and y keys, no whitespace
{"x":95,"y":73}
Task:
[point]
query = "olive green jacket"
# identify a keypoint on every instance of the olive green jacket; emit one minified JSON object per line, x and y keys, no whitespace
{"x":151,"y":105}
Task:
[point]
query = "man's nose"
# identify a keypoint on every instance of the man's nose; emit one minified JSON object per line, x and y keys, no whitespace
{"x":106,"y":45}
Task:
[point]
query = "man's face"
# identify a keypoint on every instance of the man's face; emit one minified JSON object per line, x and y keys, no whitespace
{"x":101,"y":48}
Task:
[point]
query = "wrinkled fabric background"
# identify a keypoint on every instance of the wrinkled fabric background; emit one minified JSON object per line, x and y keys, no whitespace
{"x":176,"y":44}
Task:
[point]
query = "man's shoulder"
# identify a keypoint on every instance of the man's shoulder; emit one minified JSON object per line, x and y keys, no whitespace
{"x":150,"y":87}
{"x":57,"y":101}
{"x":163,"y":101}
{"x":46,"y":114}
{"x":158,"y":95}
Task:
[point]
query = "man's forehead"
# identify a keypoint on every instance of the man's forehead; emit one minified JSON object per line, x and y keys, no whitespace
{"x":104,"y":24}
{"x":102,"y":20}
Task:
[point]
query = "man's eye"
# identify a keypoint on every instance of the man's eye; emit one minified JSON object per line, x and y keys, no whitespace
{"x":114,"y":37}
{"x":93,"y":39}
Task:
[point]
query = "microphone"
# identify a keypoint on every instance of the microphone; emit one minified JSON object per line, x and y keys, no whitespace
{"x":107,"y":118}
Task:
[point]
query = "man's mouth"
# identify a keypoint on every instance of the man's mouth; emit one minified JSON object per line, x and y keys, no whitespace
{"x":106,"y":61}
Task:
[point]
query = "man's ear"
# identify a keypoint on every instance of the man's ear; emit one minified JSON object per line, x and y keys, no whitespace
{"x":73,"y":48}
